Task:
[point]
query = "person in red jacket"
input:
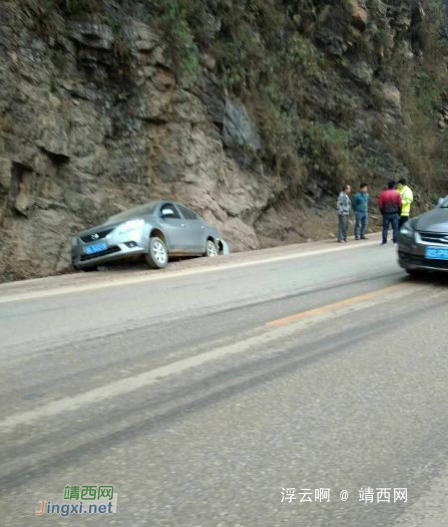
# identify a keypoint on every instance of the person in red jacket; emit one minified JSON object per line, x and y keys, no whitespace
{"x":390,"y":206}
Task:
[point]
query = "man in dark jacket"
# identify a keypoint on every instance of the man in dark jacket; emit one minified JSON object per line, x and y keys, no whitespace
{"x":361,"y":211}
{"x":390,"y":205}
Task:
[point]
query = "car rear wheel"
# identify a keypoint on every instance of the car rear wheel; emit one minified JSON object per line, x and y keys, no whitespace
{"x":157,"y":256}
{"x":211,"y":250}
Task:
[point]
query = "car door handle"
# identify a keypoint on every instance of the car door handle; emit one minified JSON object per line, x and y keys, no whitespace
{"x":202,"y":226}
{"x":182,"y":224}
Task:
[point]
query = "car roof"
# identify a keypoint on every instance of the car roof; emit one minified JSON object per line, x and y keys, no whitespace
{"x":156,"y":204}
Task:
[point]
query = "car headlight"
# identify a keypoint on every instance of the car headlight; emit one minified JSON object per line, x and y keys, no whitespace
{"x":407,"y":230}
{"x":131,"y":225}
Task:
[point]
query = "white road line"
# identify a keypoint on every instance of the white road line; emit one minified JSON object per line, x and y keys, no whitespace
{"x":175,"y":274}
{"x":262,"y":337}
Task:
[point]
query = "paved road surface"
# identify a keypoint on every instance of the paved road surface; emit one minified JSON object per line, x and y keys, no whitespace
{"x":201,"y":391}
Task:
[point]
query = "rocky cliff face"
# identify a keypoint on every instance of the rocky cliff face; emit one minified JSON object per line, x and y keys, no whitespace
{"x":106,"y":107}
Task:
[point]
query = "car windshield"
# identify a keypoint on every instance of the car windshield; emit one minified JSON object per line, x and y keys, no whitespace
{"x":136,"y":212}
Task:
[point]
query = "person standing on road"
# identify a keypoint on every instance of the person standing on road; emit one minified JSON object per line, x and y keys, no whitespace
{"x":344,"y":206}
{"x":390,"y":206}
{"x":407,"y":198}
{"x":361,"y":211}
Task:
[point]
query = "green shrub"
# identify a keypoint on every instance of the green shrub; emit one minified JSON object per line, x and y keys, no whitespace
{"x":327,"y":148}
{"x":177,"y":18}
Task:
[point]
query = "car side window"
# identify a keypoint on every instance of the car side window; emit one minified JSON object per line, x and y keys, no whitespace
{"x":171,"y":209}
{"x":187,"y":213}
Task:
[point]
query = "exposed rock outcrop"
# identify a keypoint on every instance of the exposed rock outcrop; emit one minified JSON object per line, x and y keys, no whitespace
{"x":96,"y":116}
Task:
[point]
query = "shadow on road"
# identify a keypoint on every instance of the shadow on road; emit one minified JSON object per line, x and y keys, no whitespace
{"x":435,"y":278}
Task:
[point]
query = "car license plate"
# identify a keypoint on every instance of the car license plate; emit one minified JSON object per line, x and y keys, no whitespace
{"x":95,"y":248}
{"x":436,"y":253}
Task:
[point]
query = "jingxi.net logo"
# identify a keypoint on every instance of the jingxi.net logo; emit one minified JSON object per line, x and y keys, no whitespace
{"x":84,"y":499}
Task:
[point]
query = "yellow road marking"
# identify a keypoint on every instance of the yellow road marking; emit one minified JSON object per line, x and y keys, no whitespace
{"x":263,"y":338}
{"x":334,"y":307}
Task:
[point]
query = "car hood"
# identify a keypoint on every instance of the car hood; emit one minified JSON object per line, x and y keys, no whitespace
{"x":111,"y":225}
{"x":99,"y":228}
{"x":433,"y":221}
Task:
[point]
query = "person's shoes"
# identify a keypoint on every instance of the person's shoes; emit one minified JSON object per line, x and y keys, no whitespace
{"x":364,"y":238}
{"x":345,"y":240}
{"x":384,"y":244}
{"x":357,"y":238}
{"x":339,"y":241}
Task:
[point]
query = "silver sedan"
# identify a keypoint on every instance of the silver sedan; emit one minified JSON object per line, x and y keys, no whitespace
{"x":423,"y":241}
{"x":156,"y":230}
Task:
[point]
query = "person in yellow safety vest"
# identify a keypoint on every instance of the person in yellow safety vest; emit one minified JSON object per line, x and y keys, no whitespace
{"x":407,"y":198}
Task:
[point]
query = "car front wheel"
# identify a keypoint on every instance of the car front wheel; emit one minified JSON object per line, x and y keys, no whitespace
{"x":157,"y":255}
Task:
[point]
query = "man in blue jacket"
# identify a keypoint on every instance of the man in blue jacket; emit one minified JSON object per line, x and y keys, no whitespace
{"x":361,"y":207}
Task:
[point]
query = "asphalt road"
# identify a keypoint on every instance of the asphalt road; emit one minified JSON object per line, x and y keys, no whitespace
{"x":202,"y":391}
